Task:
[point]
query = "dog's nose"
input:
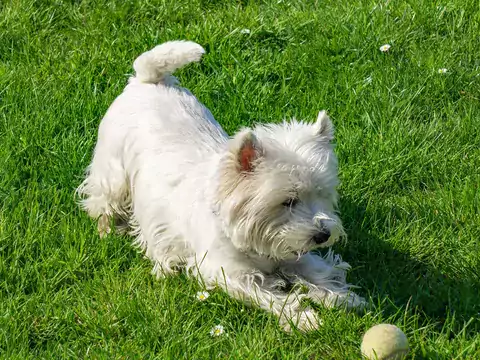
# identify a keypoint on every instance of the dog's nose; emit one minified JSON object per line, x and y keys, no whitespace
{"x":321,"y":237}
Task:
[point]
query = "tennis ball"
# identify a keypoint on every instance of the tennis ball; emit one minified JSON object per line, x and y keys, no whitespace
{"x":384,"y":342}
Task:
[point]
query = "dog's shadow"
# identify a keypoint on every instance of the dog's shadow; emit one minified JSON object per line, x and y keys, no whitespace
{"x":383,"y":272}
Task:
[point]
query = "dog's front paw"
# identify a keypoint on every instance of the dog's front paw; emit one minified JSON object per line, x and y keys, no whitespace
{"x":353,"y":301}
{"x":348,"y":300}
{"x":306,"y":320}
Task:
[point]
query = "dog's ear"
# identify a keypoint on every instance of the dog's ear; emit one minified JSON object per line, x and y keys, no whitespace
{"x":323,"y":126}
{"x":247,"y":150}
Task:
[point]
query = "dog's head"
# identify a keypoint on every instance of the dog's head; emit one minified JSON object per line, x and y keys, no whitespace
{"x":277,"y":191}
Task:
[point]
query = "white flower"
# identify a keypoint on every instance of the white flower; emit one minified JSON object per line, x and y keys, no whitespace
{"x":217,"y":330}
{"x":442,"y":71}
{"x":245,"y":31}
{"x":385,"y":48}
{"x":202,"y":295}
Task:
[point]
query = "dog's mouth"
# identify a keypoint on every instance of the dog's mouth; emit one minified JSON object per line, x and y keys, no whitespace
{"x":299,"y":253}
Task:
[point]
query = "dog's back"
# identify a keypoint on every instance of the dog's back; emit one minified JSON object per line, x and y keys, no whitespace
{"x":174,"y":113}
{"x":153,"y":132}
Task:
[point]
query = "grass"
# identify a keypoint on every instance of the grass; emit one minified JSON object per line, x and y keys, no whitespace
{"x":407,"y":140}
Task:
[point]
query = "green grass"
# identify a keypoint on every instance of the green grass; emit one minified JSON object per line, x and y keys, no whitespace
{"x":407,"y":139}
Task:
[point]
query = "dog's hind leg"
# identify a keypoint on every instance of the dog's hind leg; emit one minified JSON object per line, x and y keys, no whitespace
{"x":105,"y":193}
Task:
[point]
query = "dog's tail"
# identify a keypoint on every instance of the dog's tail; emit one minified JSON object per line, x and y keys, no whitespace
{"x":157,"y":64}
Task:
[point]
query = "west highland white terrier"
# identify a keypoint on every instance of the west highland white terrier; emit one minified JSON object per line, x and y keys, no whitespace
{"x":241,"y":213}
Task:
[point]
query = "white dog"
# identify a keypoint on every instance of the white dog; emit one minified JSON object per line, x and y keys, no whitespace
{"x":241,"y":213}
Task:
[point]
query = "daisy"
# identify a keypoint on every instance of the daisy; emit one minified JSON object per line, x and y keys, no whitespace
{"x":217,"y":330}
{"x":202,"y":295}
{"x":442,"y":71}
{"x":385,"y":48}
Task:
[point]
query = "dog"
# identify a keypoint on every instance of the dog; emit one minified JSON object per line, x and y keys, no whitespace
{"x":243,"y":213}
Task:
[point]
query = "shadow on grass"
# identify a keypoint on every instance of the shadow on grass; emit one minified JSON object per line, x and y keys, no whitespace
{"x":385,"y":272}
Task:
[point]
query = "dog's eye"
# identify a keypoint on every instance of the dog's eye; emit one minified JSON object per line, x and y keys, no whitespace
{"x":290,"y":202}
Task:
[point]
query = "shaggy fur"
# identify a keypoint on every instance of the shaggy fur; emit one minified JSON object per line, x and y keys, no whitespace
{"x":241,"y":213}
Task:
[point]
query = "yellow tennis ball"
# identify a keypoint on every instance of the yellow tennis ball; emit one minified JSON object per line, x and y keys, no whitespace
{"x":384,"y":342}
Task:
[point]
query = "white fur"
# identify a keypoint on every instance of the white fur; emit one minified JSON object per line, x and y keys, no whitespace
{"x":197,"y":199}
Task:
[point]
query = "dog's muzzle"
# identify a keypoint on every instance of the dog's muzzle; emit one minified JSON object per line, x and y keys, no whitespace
{"x":329,"y":231}
{"x":321,"y":237}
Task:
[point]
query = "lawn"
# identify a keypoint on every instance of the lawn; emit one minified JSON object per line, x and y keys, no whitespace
{"x":408,"y":142}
